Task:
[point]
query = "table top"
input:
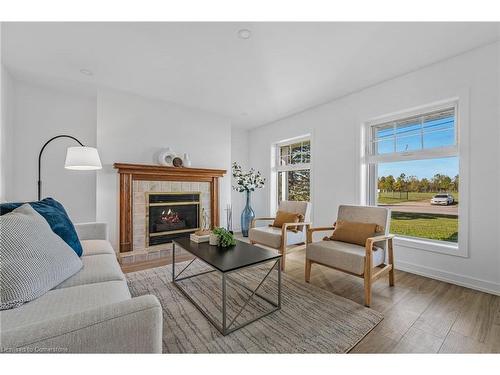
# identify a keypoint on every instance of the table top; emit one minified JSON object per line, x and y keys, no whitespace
{"x":227,"y":259}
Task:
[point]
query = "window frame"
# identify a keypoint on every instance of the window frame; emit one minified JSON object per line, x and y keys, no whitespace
{"x":277,"y":168}
{"x":460,"y":150}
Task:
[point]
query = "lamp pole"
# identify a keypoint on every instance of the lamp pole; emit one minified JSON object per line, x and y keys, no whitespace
{"x":40,"y":159}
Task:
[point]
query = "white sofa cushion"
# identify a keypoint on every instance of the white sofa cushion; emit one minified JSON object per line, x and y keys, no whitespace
{"x":61,"y":302}
{"x":343,"y":255}
{"x":96,"y":269}
{"x":33,"y":258}
{"x":271,"y":236}
{"x":95,"y":247}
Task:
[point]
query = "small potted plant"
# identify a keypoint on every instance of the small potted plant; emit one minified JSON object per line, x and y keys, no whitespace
{"x":224,"y":237}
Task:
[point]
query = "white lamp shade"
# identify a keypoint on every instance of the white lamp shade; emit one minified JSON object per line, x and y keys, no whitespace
{"x":82,"y":158}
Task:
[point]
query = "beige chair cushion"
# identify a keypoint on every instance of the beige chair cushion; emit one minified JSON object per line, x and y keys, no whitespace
{"x":302,"y":208}
{"x":271,"y":236}
{"x":355,"y":232}
{"x":367,"y":214}
{"x":342,"y":255}
{"x":283,"y":217}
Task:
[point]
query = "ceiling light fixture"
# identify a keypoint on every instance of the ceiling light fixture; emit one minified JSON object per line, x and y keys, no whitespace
{"x":244,"y":34}
{"x":86,"y":72}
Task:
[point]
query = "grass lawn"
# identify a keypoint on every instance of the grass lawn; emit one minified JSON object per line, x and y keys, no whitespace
{"x":432,"y":226}
{"x":388,"y":198}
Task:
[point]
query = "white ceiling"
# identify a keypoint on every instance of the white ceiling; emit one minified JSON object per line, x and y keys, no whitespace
{"x":282,"y":69}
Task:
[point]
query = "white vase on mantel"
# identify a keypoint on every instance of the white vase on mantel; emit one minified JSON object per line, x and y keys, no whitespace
{"x":186,"y":160}
{"x":166,"y":156}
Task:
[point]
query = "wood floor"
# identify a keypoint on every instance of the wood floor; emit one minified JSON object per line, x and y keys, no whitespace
{"x":421,"y":315}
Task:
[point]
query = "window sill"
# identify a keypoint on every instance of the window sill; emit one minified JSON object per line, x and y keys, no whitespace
{"x":441,"y":247}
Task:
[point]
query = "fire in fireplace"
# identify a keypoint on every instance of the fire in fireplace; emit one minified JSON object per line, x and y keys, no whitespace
{"x":170,"y":216}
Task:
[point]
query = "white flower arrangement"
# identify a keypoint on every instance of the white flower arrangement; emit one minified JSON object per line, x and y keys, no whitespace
{"x":248,"y":181}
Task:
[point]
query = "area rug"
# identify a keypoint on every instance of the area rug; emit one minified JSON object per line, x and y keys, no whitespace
{"x":311,"y":320}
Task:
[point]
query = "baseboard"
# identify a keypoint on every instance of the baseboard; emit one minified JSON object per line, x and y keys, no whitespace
{"x":449,"y":277}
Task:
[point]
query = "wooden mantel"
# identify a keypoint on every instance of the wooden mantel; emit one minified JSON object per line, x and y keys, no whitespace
{"x":130,"y":172}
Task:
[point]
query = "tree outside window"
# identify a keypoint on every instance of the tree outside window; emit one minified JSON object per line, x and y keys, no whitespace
{"x":293,"y":171}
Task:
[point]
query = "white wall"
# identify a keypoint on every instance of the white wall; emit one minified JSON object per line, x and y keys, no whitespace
{"x":6,"y":135}
{"x":239,"y":154}
{"x":39,"y":113}
{"x":336,"y":137}
{"x":6,"y":126}
{"x":133,"y":129}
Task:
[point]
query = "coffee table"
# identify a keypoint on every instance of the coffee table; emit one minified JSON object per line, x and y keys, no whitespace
{"x":226,"y":261}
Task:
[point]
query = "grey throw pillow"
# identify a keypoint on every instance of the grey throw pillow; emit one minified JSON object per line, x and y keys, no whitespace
{"x":33,"y":259}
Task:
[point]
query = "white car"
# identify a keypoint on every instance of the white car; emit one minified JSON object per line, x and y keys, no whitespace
{"x":443,"y":199}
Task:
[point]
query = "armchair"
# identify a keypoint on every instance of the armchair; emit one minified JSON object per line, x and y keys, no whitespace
{"x":282,"y":238}
{"x":367,"y":262}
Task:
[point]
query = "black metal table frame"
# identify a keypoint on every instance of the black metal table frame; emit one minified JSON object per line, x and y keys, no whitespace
{"x":226,"y":329}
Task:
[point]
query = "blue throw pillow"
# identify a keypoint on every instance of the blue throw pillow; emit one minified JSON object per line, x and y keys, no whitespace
{"x":56,"y":216}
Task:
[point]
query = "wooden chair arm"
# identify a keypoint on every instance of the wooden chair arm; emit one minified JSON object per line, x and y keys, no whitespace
{"x":310,"y":231}
{"x":372,"y":240}
{"x":252,"y":224}
{"x":300,"y":224}
{"x":320,"y":229}
{"x":369,"y":248}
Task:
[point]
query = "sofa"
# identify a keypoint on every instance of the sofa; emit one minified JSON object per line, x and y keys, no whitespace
{"x":90,"y":312}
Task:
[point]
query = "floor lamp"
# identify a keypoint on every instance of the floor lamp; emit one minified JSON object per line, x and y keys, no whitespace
{"x":81,"y":158}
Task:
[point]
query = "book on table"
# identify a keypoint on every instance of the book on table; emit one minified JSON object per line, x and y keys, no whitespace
{"x":199,"y":239}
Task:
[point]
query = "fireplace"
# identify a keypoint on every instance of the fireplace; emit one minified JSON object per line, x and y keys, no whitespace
{"x":137,"y":179}
{"x":170,"y":216}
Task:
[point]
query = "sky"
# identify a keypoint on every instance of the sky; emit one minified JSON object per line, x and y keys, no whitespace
{"x":411,"y":136}
{"x":420,"y":168}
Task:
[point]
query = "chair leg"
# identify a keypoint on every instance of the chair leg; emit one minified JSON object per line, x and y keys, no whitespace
{"x":368,"y":290}
{"x":368,"y":277}
{"x":283,"y":255}
{"x":391,"y":262}
{"x":391,"y":276}
{"x":308,"y":270}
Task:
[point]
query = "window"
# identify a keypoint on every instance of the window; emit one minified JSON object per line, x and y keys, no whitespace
{"x":413,"y":168}
{"x":294,"y":170}
{"x":417,"y":133}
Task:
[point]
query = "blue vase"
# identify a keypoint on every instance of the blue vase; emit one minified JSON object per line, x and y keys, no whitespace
{"x":246,"y":217}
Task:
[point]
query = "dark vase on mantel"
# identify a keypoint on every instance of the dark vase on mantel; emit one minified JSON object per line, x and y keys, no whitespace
{"x":247,"y":216}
